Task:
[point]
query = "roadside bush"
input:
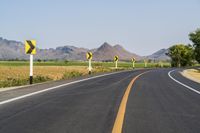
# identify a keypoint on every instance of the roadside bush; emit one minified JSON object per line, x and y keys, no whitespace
{"x":166,"y":66}
{"x":157,"y":65}
{"x":39,"y":79}
{"x":9,"y":82}
{"x":101,"y":69}
{"x":72,"y":74}
{"x":13,"y":82}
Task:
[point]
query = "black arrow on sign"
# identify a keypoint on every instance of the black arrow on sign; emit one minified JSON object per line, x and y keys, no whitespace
{"x":32,"y":47}
{"x":90,"y":55}
{"x":116,"y":58}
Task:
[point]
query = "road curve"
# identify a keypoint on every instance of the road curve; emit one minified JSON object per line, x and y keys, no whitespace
{"x":86,"y":107}
{"x":156,"y":104}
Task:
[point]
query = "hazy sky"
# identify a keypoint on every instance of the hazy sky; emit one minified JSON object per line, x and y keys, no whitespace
{"x":141,"y":26}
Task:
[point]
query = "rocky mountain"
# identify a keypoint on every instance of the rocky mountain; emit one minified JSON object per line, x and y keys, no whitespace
{"x":11,"y":49}
{"x":15,"y":50}
{"x":61,"y":53}
{"x":107,"y":52}
{"x":159,"y":55}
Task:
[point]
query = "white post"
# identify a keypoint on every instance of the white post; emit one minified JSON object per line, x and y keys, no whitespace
{"x":116,"y":64}
{"x":31,"y":69}
{"x":133,"y":64}
{"x":161,"y":64}
{"x":90,"y":66}
{"x":145,"y":64}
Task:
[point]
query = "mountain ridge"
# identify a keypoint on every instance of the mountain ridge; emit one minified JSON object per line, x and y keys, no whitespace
{"x":10,"y":49}
{"x":159,"y":55}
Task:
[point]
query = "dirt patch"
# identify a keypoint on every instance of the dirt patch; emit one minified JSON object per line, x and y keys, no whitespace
{"x":192,"y":74}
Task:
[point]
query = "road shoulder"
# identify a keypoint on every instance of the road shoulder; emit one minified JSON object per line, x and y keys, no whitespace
{"x":191,"y":74}
{"x":37,"y":88}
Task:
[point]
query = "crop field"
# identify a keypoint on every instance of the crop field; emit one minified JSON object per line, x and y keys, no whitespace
{"x":15,"y":73}
{"x":19,"y":75}
{"x":81,"y":63}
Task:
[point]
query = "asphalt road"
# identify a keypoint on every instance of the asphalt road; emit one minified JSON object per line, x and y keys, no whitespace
{"x":156,"y":104}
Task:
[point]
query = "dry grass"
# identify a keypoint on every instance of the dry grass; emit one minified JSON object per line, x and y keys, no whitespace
{"x":192,"y":74}
{"x":19,"y":75}
{"x":53,"y":72}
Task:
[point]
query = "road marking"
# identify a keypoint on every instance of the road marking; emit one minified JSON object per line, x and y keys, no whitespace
{"x":190,"y":88}
{"x":117,"y":128}
{"x":52,"y":88}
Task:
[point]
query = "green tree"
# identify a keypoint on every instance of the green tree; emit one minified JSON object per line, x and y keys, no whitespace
{"x":181,"y":55}
{"x":195,"y":38}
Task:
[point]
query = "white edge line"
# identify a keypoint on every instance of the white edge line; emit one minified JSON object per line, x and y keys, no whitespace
{"x":190,"y":88}
{"x":52,"y":88}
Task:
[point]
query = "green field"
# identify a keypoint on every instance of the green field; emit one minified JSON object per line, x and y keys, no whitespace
{"x":81,"y":63}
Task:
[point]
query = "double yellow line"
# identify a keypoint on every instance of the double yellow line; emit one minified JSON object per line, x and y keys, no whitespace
{"x":122,"y":108}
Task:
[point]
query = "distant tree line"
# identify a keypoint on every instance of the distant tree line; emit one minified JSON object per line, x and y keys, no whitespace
{"x":15,"y":59}
{"x":186,"y":55}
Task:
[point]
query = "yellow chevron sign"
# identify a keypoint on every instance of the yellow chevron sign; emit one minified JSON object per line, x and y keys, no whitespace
{"x":133,"y":59}
{"x":30,"y":47}
{"x":89,"y":55}
{"x":116,"y":58}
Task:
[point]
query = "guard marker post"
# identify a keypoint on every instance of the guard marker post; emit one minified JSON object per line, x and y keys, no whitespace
{"x":145,"y":63}
{"x":133,"y":60}
{"x":116,"y":59}
{"x":89,"y":58}
{"x":31,"y":69}
{"x":161,"y":64}
{"x":30,"y":48}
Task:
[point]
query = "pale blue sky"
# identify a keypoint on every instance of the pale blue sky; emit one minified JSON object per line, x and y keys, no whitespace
{"x":141,"y":26}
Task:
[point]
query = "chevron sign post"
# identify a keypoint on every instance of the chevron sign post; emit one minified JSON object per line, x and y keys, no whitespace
{"x":145,"y":62}
{"x":116,"y":59}
{"x":30,"y":48}
{"x":89,"y":58}
{"x":133,"y":60}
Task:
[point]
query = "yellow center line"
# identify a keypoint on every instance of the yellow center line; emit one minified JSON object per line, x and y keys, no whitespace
{"x":117,"y":128}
